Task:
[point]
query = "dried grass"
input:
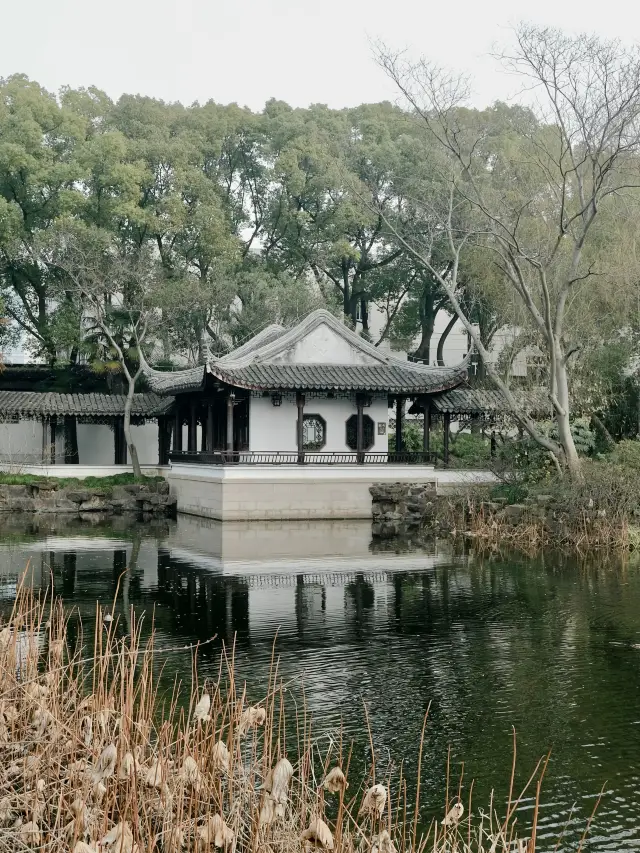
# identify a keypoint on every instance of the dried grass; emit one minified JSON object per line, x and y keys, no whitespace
{"x":92,"y":763}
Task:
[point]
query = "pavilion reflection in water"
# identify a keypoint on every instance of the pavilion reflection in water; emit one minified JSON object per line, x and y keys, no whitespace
{"x":246,"y":586}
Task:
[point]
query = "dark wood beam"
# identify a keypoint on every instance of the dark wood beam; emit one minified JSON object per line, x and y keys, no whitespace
{"x":209,"y":426}
{"x":399,"y":424}
{"x":360,"y":429}
{"x":119,"y":443}
{"x":177,"y":429}
{"x":426,"y":425}
{"x":300,"y":425}
{"x":445,"y":438}
{"x":71,"y":455}
{"x":192,"y":434}
{"x":230,"y":402}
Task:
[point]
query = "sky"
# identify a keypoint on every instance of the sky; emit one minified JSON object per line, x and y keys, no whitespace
{"x":248,"y":51}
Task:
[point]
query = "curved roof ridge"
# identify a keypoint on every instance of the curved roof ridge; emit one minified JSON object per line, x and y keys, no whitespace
{"x":293,"y":335}
{"x":252,"y":365}
{"x":267,"y":335}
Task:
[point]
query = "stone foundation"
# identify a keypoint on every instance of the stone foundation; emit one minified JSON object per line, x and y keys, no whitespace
{"x":398,"y":508}
{"x":149,"y":500}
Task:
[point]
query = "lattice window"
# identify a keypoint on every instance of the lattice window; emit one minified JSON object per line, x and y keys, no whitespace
{"x":367,"y":432}
{"x":314,"y":432}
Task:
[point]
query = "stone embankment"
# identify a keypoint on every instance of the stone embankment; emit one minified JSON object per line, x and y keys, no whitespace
{"x":398,"y":508}
{"x":148,"y":500}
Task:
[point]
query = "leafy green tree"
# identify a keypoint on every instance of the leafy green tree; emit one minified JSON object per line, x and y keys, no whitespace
{"x":39,"y":172}
{"x":331,"y":168}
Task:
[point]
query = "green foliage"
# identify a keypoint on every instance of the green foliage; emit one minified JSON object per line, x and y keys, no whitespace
{"x":609,"y":485}
{"x":466,"y":450}
{"x":87,"y":482}
{"x":511,"y":493}
{"x":626,"y":454}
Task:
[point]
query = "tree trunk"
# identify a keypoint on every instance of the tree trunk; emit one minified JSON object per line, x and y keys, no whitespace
{"x":565,"y":437}
{"x":133,"y":453}
{"x":364,"y":313}
{"x":443,"y":338}
{"x":346,"y":290}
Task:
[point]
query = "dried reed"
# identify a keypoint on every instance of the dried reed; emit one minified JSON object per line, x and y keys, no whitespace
{"x":92,"y":762}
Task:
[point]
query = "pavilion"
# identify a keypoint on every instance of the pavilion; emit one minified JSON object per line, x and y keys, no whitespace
{"x":314,"y":394}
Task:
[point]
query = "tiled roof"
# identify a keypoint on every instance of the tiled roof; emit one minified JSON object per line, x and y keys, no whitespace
{"x":266,"y":336}
{"x":334,"y":377}
{"x":32,"y":404}
{"x":461,"y":401}
{"x":268,"y":362}
{"x":175,"y":381}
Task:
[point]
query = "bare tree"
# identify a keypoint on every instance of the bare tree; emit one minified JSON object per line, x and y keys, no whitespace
{"x":529,"y":186}
{"x":117,"y":295}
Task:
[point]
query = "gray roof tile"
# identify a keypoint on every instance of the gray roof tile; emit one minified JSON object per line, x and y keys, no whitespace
{"x":32,"y":404}
{"x":333,"y":377}
{"x":464,"y":401}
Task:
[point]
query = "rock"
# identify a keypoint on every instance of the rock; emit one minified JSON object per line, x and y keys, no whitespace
{"x":543,"y":500}
{"x":19,"y":504}
{"x":49,"y":498}
{"x":10,"y":492}
{"x":46,"y":486}
{"x":78,"y":497}
{"x":149,"y":498}
{"x":60,"y":505}
{"x":95,"y":504}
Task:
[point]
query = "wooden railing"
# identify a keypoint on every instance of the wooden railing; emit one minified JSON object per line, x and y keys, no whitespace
{"x":308,"y":457}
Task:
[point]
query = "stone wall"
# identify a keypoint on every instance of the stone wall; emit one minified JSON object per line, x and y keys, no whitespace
{"x":399,"y":508}
{"x":148,"y":500}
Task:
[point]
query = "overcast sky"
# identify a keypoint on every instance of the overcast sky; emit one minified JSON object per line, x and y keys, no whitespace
{"x":251,"y":50}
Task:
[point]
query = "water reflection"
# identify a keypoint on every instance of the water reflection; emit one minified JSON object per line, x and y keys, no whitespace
{"x":546,"y":646}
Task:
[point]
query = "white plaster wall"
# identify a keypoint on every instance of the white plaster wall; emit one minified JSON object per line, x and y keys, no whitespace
{"x":246,"y":493}
{"x":95,"y":444}
{"x":145,"y":438}
{"x":324,"y":346}
{"x":274,"y":427}
{"x":21,"y":442}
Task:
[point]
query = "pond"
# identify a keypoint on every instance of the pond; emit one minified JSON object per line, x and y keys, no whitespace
{"x":549,"y":647}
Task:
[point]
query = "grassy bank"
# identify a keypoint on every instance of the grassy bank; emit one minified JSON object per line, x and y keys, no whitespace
{"x":35,"y":480}
{"x":105,"y":483}
{"x":532,"y":507}
{"x":95,"y":759}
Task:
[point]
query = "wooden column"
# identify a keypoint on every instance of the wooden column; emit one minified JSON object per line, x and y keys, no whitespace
{"x":230,"y":401}
{"x":426,"y":426}
{"x":300,"y":404}
{"x":192,"y":435}
{"x":445,"y":438}
{"x":360,"y":430}
{"x":119,"y":443}
{"x":163,"y":441}
{"x":45,"y":440}
{"x":209,"y":427}
{"x":53,"y":423}
{"x":71,"y":456}
{"x":493,"y":443}
{"x":399,"y":419}
{"x":177,"y":429}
